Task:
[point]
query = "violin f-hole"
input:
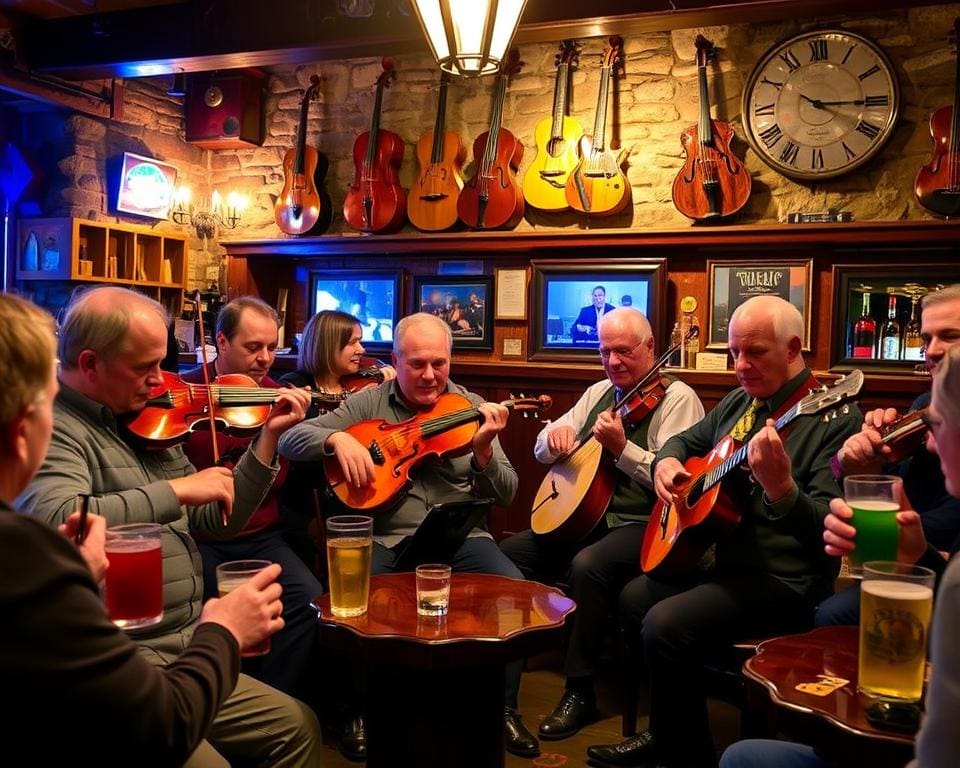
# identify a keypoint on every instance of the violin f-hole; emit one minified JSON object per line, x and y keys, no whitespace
{"x":415,"y":449}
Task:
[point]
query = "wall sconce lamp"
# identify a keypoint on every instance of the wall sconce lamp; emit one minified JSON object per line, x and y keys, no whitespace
{"x":206,"y":222}
{"x":469,"y":37}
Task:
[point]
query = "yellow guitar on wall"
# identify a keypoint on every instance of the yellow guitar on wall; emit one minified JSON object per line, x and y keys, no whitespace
{"x":556,"y":138}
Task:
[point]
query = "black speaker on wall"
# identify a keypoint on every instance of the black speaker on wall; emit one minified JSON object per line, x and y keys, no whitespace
{"x":225,"y":109}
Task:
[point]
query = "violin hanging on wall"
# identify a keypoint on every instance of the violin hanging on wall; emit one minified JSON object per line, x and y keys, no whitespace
{"x":376,"y":202}
{"x":300,"y":205}
{"x":432,"y":206}
{"x":713,"y":183}
{"x":938,"y":182}
{"x":492,"y":199}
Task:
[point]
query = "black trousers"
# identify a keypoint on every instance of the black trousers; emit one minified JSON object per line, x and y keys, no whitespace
{"x":676,"y":627}
{"x":595,"y":569}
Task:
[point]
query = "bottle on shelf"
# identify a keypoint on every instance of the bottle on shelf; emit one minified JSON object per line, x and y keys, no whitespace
{"x":912,"y":343}
{"x":865,"y":332}
{"x":676,"y":340}
{"x":693,"y":344}
{"x":890,"y":334}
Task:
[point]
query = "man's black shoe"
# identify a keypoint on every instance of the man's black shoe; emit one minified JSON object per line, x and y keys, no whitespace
{"x":572,"y":713}
{"x":637,"y":750}
{"x":353,"y":739}
{"x":516,"y":738}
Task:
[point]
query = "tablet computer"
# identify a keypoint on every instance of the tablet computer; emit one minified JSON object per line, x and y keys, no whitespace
{"x":441,"y":533}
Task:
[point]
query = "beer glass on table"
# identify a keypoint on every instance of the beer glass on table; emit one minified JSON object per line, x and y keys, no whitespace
{"x":236,"y":573}
{"x":133,"y":585}
{"x":896,"y":601}
{"x":875,"y":501}
{"x":349,"y":547}
{"x":433,"y":589}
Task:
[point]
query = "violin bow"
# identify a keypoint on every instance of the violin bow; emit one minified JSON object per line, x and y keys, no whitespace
{"x":206,"y":383}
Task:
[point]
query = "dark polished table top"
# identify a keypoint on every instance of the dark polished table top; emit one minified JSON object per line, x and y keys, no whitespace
{"x":490,"y":617}
{"x":785,"y":662}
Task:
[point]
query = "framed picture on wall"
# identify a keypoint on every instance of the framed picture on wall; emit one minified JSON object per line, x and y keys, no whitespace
{"x":569,"y":296}
{"x":464,"y":303}
{"x":373,"y":296}
{"x":731,"y":283}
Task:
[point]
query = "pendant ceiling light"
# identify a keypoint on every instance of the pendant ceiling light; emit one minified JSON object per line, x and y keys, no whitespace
{"x":469,"y":37}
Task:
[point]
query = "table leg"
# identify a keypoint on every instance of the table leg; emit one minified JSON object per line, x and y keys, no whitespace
{"x":419,"y":718}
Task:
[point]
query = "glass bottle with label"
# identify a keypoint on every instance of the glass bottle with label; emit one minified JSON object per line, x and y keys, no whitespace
{"x":676,"y":340}
{"x":912,"y":343}
{"x":865,"y":332}
{"x":890,"y":335}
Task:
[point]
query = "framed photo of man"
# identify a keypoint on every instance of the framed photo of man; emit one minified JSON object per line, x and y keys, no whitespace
{"x":731,"y":283}
{"x":464,"y":303}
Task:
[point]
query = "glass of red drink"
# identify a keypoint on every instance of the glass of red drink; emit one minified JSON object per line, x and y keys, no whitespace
{"x":233,"y":574}
{"x":133,"y":588}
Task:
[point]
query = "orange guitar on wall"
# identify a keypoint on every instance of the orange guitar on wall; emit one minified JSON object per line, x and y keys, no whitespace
{"x":432,"y":204}
{"x":598,"y":185}
{"x":544,"y":185}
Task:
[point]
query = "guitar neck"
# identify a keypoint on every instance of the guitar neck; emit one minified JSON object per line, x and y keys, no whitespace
{"x":560,"y":100}
{"x":301,"y":135}
{"x":705,"y":128}
{"x":955,"y":115}
{"x":456,"y":419}
{"x":436,"y":153}
{"x":600,"y":120}
{"x":493,"y":134}
{"x":374,"y":127}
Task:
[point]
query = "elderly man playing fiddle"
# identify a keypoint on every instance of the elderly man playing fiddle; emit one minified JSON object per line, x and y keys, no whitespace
{"x":597,"y":567}
{"x":770,"y":572}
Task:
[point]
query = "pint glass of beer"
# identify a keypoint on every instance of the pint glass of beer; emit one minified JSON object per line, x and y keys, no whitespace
{"x":875,"y":501}
{"x":349,"y":545}
{"x":233,"y":574}
{"x":896,"y":601}
{"x":133,"y":586}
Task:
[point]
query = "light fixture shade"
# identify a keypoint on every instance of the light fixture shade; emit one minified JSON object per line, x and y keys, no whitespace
{"x":469,"y":37}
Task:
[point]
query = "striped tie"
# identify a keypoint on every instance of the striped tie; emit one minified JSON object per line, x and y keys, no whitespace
{"x":745,"y":423}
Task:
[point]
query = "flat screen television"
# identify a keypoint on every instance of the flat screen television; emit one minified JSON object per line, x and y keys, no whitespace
{"x":146,"y":186}
{"x":564,"y":292}
{"x":374,"y":297}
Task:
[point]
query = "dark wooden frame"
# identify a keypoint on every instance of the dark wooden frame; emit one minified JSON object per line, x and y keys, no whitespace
{"x":357,"y":275}
{"x":465,"y":284}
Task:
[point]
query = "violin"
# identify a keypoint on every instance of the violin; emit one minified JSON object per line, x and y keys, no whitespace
{"x":713,"y":183}
{"x":492,"y":199}
{"x":575,"y":493}
{"x":233,"y":403}
{"x":298,"y":208}
{"x":444,"y":430}
{"x":376,"y":202}
{"x":368,"y":375}
{"x":938,"y":182}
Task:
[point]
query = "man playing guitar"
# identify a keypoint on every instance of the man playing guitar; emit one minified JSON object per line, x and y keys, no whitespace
{"x":770,"y":572}
{"x":599,"y":565}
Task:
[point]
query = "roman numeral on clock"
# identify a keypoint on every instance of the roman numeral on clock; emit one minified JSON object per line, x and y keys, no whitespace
{"x":818,"y":50}
{"x":771,"y":135}
{"x":789,"y":154}
{"x":869,"y":130}
{"x":876,"y":101}
{"x":790,"y":59}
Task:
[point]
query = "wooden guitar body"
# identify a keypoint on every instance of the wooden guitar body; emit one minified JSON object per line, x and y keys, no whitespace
{"x":938,"y":183}
{"x":493,"y":199}
{"x":574,"y":494}
{"x":432,"y":205}
{"x":598,"y":185}
{"x":725,"y":179}
{"x":376,"y":202}
{"x":678,"y":534}
{"x":544,"y":183}
{"x":298,"y":207}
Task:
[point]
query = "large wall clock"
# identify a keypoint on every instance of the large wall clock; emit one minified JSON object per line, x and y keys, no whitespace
{"x":821,"y":104}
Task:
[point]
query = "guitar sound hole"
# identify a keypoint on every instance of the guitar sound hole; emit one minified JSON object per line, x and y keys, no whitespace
{"x":695,"y":493}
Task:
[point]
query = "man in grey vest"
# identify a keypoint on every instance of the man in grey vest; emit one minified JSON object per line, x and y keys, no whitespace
{"x":598,"y":566}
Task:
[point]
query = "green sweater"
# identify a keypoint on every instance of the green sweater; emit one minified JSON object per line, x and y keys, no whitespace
{"x":785,"y":539}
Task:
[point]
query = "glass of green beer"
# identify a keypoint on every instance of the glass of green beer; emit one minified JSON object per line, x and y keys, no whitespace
{"x":896,"y":601}
{"x":349,"y":546}
{"x":875,"y":501}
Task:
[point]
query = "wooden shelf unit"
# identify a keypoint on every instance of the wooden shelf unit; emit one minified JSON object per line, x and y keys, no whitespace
{"x":71,"y":250}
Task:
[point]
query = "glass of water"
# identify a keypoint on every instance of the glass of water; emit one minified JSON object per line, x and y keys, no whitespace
{"x":433,"y":589}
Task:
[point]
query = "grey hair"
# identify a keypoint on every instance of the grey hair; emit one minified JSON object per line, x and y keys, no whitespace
{"x":949,"y":293}
{"x":786,"y":318}
{"x":946,"y":387}
{"x":419,"y":319}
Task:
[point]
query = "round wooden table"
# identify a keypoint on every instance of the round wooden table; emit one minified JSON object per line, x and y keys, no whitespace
{"x":835,"y":723}
{"x":436,"y":685}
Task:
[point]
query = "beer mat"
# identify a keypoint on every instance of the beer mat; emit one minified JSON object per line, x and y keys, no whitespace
{"x":825,"y":685}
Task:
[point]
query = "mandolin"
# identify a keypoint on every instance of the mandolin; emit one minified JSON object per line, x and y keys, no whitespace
{"x":544,"y":185}
{"x":678,"y":534}
{"x":938,"y":182}
{"x":492,"y":199}
{"x":376,"y":202}
{"x":597,"y":185}
{"x":432,"y":205}
{"x":299,"y":206}
{"x":445,"y":429}
{"x":713,"y":183}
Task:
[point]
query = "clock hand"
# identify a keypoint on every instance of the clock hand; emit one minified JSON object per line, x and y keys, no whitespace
{"x":816,"y":102}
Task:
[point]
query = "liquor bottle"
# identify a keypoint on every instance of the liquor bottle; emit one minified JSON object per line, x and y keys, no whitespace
{"x":692,"y":346}
{"x":912,"y":343}
{"x":676,"y":340}
{"x":890,"y":335}
{"x":864,"y":331}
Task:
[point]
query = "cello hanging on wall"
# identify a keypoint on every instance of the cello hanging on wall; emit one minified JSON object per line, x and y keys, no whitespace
{"x":938,"y":182}
{"x":713,"y":183}
{"x":376,"y":202}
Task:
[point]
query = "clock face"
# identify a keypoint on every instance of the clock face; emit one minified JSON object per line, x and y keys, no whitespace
{"x":821,"y":104}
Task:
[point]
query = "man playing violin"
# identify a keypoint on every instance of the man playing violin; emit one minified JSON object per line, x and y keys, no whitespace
{"x":770,"y":572}
{"x":597,"y":567}
{"x":246,"y":337}
{"x":422,"y":345}
{"x":110,"y":347}
{"x":923,"y":482}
